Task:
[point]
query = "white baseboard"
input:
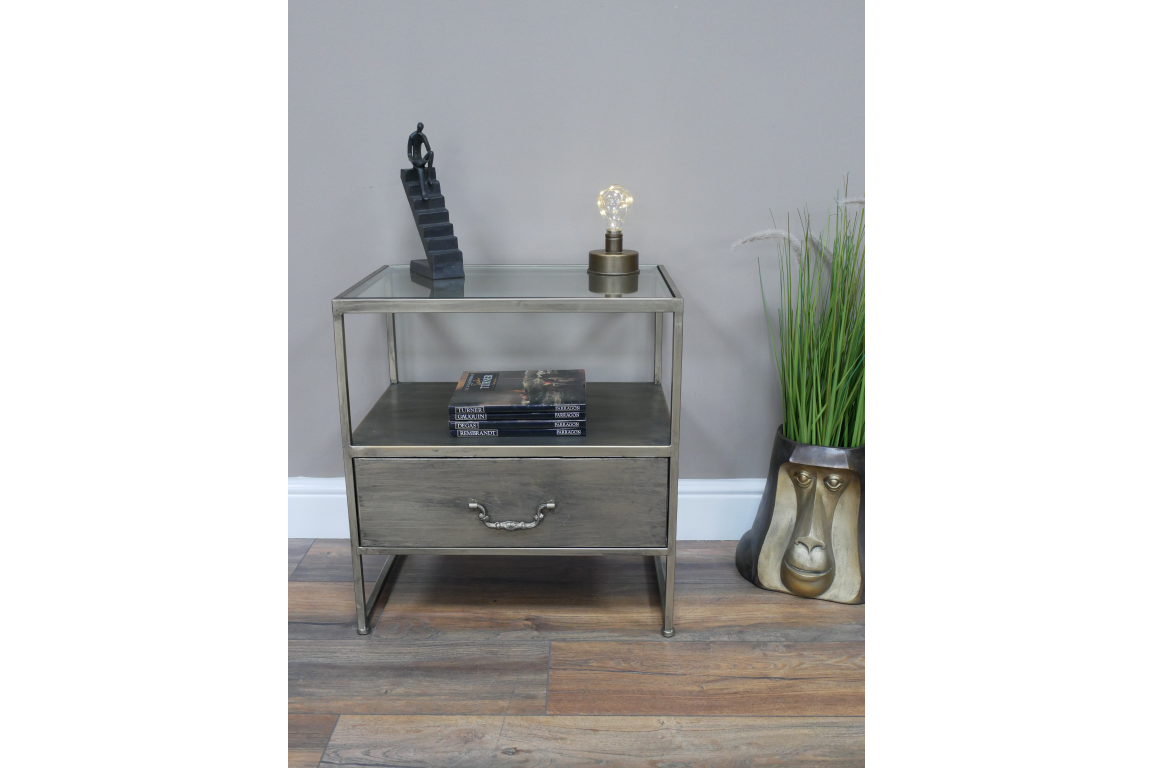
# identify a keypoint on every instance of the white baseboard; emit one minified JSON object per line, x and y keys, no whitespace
{"x":708,"y":509}
{"x":717,"y":510}
{"x":317,"y":508}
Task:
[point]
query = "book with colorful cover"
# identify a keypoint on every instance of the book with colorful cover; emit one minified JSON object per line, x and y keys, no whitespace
{"x":540,"y":391}
{"x":488,"y":432}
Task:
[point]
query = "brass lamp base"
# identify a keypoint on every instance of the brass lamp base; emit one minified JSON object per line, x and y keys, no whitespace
{"x":613,"y":285}
{"x":613,"y":259}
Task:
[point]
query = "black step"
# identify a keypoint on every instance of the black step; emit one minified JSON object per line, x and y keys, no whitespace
{"x":435,"y":230}
{"x":414,"y":191}
{"x":433,"y":216}
{"x":440,"y":243}
{"x":444,"y":260}
{"x":440,"y":267}
{"x":420,"y":204}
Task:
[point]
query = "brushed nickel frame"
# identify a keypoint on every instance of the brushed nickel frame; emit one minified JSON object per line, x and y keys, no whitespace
{"x":663,"y":557}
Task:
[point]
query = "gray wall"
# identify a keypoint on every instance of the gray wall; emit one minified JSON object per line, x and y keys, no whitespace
{"x":713,"y":114}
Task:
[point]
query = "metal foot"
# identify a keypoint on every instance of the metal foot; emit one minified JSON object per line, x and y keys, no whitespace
{"x":367,"y":631}
{"x":667,"y":632}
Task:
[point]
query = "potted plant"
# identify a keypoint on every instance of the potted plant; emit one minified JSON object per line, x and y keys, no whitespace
{"x":808,"y":536}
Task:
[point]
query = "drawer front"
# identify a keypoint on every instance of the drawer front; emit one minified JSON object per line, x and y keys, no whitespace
{"x":599,"y":502}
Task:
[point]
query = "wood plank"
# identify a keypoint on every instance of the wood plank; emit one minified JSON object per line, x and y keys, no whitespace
{"x":365,"y":675}
{"x":709,"y":611}
{"x":297,"y":548}
{"x":321,"y":602}
{"x":519,"y":610}
{"x":617,"y":741}
{"x":327,"y":609}
{"x":681,"y":741}
{"x":331,"y":560}
{"x":310,"y":731}
{"x":613,"y":603}
{"x":414,"y":741}
{"x":706,"y":678}
{"x":574,"y":612}
{"x":304,"y":758}
{"x":707,"y":562}
{"x":599,"y":502}
{"x":714,"y":602}
{"x":559,"y":598}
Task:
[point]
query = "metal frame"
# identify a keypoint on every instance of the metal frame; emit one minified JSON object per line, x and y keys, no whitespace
{"x":508,"y":452}
{"x":664,"y":557}
{"x":642,"y":551}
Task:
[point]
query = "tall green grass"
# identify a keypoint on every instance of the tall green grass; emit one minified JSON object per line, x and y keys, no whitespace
{"x":820,"y":351}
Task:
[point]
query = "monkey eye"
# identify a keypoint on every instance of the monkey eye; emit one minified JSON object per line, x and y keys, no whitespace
{"x":833,"y":482}
{"x":803,"y":479}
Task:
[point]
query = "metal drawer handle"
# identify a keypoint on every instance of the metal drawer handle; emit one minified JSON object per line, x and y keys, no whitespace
{"x":512,"y":525}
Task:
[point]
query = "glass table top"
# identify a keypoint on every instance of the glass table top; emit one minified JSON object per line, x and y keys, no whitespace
{"x":521,"y":281}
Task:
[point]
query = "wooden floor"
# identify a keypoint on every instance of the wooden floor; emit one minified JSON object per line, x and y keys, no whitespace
{"x":550,"y":661}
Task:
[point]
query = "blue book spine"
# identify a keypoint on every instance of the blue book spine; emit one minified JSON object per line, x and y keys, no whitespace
{"x":518,"y":425}
{"x":481,"y":412}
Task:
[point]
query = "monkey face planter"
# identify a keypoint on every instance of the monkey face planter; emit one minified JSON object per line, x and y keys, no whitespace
{"x":808,"y":537}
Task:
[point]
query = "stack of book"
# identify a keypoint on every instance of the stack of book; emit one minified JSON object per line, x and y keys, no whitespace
{"x":501,"y":403}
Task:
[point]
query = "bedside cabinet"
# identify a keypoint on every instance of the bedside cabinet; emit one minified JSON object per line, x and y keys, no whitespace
{"x":414,"y":490}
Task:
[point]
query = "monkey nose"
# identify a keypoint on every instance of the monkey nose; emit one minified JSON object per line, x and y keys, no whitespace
{"x":810,"y":543}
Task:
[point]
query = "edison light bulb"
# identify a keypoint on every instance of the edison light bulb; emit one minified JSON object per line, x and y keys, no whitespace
{"x":614,"y":203}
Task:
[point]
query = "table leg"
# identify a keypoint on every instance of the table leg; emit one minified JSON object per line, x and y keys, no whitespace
{"x":393,"y":369}
{"x":674,"y":470}
{"x":658,"y":351}
{"x":349,"y":473}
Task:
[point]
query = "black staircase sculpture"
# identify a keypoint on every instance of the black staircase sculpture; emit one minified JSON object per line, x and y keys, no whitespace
{"x":444,"y":259}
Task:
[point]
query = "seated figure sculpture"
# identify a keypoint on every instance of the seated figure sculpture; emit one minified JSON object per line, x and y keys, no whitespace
{"x":444,"y":260}
{"x":420,"y":163}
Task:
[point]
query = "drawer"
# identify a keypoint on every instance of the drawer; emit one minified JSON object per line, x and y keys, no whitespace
{"x":599,"y":502}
